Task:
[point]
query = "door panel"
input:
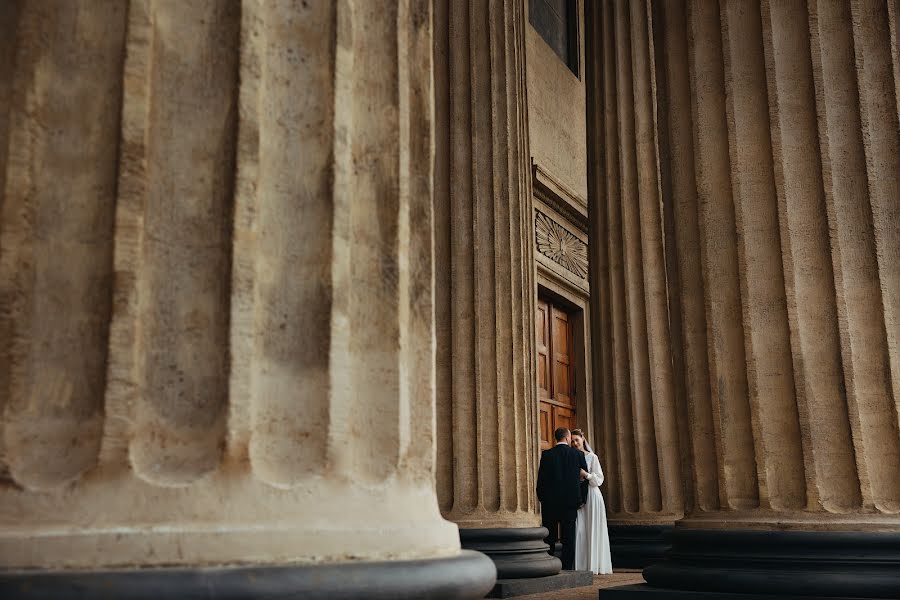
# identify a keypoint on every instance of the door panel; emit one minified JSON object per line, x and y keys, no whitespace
{"x":555,"y":370}
{"x":561,"y":351}
{"x":561,"y":384}
{"x":564,"y":417}
{"x":547,"y":426}
{"x":542,"y":349}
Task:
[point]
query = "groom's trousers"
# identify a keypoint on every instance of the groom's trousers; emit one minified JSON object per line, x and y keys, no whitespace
{"x":565,"y":523}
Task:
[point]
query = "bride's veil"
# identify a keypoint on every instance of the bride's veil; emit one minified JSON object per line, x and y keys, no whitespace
{"x":587,"y":446}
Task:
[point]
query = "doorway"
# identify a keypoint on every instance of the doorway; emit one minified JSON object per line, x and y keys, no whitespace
{"x":555,"y":369}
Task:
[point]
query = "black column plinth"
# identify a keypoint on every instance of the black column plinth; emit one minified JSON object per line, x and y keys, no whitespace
{"x":743,"y":564}
{"x":638,"y":546}
{"x":517,"y":552}
{"x":468,"y":575}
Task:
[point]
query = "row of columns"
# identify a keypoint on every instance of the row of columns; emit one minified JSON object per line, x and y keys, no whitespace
{"x":745,"y":156}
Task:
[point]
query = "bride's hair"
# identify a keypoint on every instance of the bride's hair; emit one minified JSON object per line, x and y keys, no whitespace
{"x":581,"y":433}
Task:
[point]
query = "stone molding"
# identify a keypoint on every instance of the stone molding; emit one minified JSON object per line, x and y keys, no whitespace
{"x":559,"y":197}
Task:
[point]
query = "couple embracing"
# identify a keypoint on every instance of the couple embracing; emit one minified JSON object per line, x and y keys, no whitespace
{"x":568,"y":488}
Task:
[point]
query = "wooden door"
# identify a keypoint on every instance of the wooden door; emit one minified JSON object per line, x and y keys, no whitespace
{"x":555,"y":370}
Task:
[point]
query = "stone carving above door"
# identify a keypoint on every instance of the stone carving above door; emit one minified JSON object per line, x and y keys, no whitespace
{"x":560,"y":245}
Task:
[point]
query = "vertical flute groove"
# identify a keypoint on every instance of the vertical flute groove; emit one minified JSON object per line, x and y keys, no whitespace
{"x":652,"y":258}
{"x":864,"y":349}
{"x":505,"y":401}
{"x":56,"y":236}
{"x":728,"y":384}
{"x":485,"y":254}
{"x":893,"y":16}
{"x":600,"y":273}
{"x":183,"y":271}
{"x":647,"y":458}
{"x":9,"y":24}
{"x":462,"y":259}
{"x":417,"y":365}
{"x":824,"y":427}
{"x":779,"y":455}
{"x":881,"y":145}
{"x":371,"y":255}
{"x":293,"y":204}
{"x":444,"y":299}
{"x":623,"y":412}
{"x":689,"y":290}
{"x":881,"y":141}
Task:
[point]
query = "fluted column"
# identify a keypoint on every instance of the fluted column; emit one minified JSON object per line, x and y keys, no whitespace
{"x":778,"y":154}
{"x":216,"y":302}
{"x":804,"y":171}
{"x":487,"y":410}
{"x":641,"y":414}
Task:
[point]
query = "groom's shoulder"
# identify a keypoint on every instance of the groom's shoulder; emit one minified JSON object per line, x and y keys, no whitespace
{"x":552,"y":450}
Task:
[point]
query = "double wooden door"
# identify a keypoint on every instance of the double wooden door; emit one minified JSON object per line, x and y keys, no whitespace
{"x":555,"y":370}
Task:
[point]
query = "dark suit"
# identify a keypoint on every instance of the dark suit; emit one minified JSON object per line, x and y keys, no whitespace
{"x":559,"y":490}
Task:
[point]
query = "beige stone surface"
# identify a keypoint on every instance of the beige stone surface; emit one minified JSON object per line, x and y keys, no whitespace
{"x":484,"y":269}
{"x":556,"y":111}
{"x":637,"y":394}
{"x":216,"y":297}
{"x":775,"y":131}
{"x":56,"y":236}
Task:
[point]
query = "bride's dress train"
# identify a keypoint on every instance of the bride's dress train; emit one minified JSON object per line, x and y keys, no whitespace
{"x":591,"y":536}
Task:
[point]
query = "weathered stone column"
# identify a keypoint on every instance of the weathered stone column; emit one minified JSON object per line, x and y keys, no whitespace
{"x":216,"y":303}
{"x":779,"y":151}
{"x":487,"y":410}
{"x":640,"y":417}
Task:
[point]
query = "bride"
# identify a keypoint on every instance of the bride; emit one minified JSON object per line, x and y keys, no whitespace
{"x":591,"y":537}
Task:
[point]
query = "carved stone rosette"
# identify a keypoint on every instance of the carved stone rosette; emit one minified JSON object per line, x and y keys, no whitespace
{"x":560,"y":245}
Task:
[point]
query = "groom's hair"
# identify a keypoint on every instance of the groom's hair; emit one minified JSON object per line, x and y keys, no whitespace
{"x":560,"y":433}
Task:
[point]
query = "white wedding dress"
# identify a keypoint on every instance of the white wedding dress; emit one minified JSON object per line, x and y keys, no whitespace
{"x":591,"y":537}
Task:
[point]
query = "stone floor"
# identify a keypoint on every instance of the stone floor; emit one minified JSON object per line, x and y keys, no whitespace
{"x":623,"y":577}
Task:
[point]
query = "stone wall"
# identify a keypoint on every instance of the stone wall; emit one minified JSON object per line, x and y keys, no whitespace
{"x":556,"y":113}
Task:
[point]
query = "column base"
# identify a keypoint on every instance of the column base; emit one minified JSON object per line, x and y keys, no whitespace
{"x":509,"y":588}
{"x":638,"y":546}
{"x":780,"y":565}
{"x":646,"y":592}
{"x":468,"y":575}
{"x":518,"y":552}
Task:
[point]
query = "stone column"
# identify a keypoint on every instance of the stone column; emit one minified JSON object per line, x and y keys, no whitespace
{"x":216,"y":303}
{"x":641,"y":416}
{"x":779,"y":152}
{"x":487,"y":409}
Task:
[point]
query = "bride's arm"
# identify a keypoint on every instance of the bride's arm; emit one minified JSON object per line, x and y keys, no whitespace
{"x":597,"y":473}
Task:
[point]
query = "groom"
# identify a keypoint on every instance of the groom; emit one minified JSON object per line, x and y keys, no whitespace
{"x":559,"y":491}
